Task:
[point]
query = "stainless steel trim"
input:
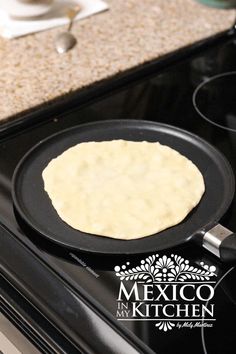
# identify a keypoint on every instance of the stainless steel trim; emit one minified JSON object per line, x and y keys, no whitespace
{"x":213,"y":238}
{"x":12,"y":340}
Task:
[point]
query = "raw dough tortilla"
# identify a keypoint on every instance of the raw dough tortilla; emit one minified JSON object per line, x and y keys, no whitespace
{"x":122,"y":189}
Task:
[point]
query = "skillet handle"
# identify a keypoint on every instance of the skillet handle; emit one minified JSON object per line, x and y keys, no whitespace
{"x":221,"y":242}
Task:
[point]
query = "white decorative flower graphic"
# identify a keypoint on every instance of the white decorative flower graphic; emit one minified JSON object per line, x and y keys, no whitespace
{"x":183,"y":271}
{"x":164,"y":264}
{"x":173,"y":268}
{"x":165,"y":325}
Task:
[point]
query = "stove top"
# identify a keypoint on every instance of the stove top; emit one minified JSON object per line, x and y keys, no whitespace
{"x":195,"y":93}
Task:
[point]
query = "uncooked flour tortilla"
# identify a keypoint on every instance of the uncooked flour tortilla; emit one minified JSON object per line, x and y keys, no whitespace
{"x":122,"y":189}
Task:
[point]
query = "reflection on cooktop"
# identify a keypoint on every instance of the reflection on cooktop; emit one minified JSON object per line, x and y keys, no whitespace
{"x":225,"y":311}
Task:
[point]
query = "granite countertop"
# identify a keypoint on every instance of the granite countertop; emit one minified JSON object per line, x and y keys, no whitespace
{"x":131,"y":33}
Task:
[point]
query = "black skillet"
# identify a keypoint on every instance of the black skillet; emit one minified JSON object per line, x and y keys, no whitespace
{"x":33,"y":205}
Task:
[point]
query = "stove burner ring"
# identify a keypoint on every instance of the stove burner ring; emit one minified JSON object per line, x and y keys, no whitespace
{"x":206,"y":304}
{"x":212,"y":82}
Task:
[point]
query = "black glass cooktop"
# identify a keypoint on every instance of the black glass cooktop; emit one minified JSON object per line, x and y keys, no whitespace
{"x":196,"y":93}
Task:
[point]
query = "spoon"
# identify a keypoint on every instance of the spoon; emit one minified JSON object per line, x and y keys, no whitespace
{"x":66,"y":40}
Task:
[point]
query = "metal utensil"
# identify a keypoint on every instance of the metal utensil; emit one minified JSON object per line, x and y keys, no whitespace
{"x":66,"y":40}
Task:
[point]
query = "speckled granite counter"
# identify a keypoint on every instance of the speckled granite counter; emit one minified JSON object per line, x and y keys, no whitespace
{"x":132,"y":32}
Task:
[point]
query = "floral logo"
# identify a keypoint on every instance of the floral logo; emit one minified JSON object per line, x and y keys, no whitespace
{"x":173,"y":268}
{"x":165,"y":269}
